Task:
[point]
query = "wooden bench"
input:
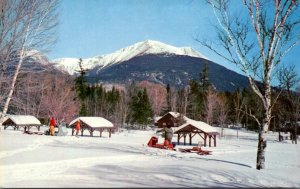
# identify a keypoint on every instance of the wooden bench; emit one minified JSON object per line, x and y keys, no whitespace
{"x":195,"y":149}
{"x":34,"y":132}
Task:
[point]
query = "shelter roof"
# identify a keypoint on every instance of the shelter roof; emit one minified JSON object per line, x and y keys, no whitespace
{"x":21,"y":120}
{"x":173,"y":114}
{"x":200,"y":125}
{"x":94,"y":122}
{"x":157,"y":118}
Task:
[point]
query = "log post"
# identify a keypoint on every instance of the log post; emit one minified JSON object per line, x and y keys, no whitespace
{"x":91,"y":132}
{"x":101,"y":132}
{"x":190,"y":138}
{"x":178,"y":138}
{"x":205,"y":136}
{"x":209,"y":140}
{"x":109,"y":133}
{"x":215,"y":140}
{"x":184,"y":136}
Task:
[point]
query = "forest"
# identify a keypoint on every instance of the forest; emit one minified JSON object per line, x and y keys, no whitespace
{"x":137,"y":104}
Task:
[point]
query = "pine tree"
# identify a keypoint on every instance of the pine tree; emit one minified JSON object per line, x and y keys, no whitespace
{"x":204,"y":80}
{"x":147,"y":109}
{"x":198,"y":94}
{"x":81,"y":88}
{"x":140,"y":107}
{"x":80,"y":82}
{"x":168,"y":100}
{"x":83,"y":110}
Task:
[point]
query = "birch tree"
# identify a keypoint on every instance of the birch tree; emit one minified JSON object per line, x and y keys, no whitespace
{"x":210,"y":105}
{"x":257,"y":42}
{"x":222,"y":109}
{"x":26,"y":26}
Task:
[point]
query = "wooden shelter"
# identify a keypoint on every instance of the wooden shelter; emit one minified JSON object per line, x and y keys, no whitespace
{"x":184,"y":127}
{"x":91,"y":124}
{"x":170,"y":118}
{"x":191,"y":128}
{"x":25,"y":121}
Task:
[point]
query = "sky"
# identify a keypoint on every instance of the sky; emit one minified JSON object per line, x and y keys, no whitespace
{"x":90,"y":28}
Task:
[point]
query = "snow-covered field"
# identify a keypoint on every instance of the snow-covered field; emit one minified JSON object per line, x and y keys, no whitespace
{"x":124,"y":160}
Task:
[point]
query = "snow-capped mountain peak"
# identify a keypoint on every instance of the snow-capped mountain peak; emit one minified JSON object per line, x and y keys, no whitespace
{"x":141,"y":48}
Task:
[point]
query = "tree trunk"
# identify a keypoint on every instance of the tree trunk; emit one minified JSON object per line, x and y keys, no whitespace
{"x":262,"y":144}
{"x":12,"y":87}
{"x":295,"y":133}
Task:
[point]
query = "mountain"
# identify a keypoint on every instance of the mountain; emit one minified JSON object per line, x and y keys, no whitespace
{"x":156,"y":62}
{"x":142,"y":48}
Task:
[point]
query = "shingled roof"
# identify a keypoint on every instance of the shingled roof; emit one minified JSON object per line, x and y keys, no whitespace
{"x":21,"y":120}
{"x":93,"y":122}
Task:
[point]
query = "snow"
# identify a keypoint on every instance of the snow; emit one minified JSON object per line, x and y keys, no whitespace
{"x":94,"y":122}
{"x":23,"y":119}
{"x":198,"y":124}
{"x":174,"y":114}
{"x":70,"y":65}
{"x":124,"y":160}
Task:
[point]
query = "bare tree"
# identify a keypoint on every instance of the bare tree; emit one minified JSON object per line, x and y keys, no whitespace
{"x":173,"y":99}
{"x":186,"y":93}
{"x":26,"y":27}
{"x":256,"y":44}
{"x":288,"y":80}
{"x":222,"y":110}
{"x":58,"y":98}
{"x":210,"y":105}
{"x":238,"y":103}
{"x":157,"y":95}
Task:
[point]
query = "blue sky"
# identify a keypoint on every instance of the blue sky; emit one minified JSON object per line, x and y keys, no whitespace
{"x":93,"y":27}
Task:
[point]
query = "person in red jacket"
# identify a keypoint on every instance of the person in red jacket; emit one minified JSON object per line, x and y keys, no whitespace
{"x":77,"y":127}
{"x":52,"y":126}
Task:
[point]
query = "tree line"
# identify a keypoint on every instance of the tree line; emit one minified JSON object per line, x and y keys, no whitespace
{"x":137,"y":104}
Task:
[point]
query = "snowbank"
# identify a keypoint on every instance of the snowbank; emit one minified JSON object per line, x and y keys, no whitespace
{"x":125,"y":161}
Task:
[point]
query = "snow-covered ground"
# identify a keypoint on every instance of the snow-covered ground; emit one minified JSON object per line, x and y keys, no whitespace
{"x":124,"y":160}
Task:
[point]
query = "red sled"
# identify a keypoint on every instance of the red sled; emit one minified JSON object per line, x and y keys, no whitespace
{"x":166,"y":145}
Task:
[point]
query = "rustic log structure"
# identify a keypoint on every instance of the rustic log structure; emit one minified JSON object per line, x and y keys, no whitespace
{"x":21,"y":121}
{"x":191,"y":131}
{"x":92,"y":124}
{"x":185,"y":127}
{"x":170,"y":118}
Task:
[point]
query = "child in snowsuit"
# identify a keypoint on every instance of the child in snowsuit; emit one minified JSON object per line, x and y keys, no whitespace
{"x":52,"y":126}
{"x":77,"y":127}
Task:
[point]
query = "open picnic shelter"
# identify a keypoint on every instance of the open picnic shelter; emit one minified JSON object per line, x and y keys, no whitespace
{"x":24,"y":121}
{"x":188,"y":128}
{"x":192,"y":128}
{"x":92,"y":124}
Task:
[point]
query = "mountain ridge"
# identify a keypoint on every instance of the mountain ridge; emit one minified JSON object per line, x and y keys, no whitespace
{"x":176,"y":70}
{"x":70,"y":65}
{"x":155,"y":62}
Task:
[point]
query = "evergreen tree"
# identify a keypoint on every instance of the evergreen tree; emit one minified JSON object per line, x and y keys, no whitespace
{"x":83,"y":110}
{"x":81,"y":88}
{"x":147,"y":109}
{"x":204,"y":80}
{"x":199,"y":89}
{"x":168,"y":100}
{"x":80,"y":82}
{"x":141,"y":112}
